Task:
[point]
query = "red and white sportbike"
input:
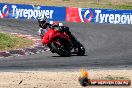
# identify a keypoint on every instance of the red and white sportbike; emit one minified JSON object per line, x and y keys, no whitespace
{"x":60,"y":43}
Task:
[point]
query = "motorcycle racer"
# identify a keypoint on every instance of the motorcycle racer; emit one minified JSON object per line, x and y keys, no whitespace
{"x":44,"y":26}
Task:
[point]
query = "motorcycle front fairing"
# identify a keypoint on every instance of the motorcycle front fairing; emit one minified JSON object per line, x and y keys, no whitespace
{"x":51,"y":34}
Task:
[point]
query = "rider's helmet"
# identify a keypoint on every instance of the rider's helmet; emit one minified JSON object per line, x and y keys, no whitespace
{"x":42,"y":22}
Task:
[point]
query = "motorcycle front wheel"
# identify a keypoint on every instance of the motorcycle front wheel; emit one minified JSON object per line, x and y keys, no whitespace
{"x":61,"y":47}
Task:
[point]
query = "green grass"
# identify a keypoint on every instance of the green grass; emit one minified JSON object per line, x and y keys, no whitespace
{"x":123,"y":7}
{"x":110,"y":6}
{"x":9,"y":42}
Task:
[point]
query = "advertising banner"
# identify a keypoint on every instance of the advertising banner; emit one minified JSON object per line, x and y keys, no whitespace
{"x":98,"y":15}
{"x":19,"y":11}
{"x":68,"y":14}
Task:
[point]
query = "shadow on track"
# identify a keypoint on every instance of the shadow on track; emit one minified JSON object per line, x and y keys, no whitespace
{"x":71,"y":56}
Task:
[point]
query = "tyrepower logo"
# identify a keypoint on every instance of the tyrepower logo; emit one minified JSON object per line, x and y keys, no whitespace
{"x":31,"y":13}
{"x":85,"y":15}
{"x":5,"y":11}
{"x":105,"y":16}
{"x":113,"y":18}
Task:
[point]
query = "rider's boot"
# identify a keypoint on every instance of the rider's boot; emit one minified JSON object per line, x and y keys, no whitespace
{"x":75,"y":43}
{"x":73,"y":39}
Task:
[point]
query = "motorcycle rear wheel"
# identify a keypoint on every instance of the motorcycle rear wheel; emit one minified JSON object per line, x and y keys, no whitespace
{"x":81,"y":49}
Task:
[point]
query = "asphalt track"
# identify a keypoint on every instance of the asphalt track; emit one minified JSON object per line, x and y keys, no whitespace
{"x":107,"y":46}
